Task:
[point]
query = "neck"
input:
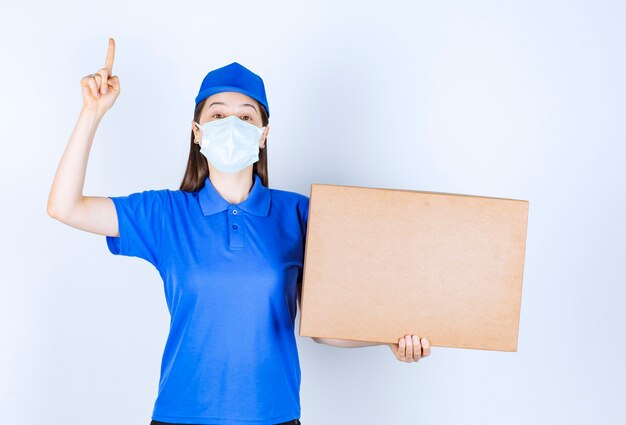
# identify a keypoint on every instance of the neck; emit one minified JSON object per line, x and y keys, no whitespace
{"x":234,"y":187}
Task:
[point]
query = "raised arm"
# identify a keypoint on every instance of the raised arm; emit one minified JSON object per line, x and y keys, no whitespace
{"x":66,"y":201}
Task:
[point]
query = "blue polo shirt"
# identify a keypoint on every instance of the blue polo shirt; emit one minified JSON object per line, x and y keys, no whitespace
{"x":230,"y":276}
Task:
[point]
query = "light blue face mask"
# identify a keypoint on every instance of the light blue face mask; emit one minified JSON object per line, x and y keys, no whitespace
{"x":230,"y":144}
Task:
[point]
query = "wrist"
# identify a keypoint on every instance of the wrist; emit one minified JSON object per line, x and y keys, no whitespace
{"x":92,"y":112}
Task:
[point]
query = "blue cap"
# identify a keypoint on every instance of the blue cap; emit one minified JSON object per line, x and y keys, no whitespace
{"x":233,"y":77}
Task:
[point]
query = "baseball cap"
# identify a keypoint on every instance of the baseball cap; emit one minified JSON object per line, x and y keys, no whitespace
{"x":233,"y":77}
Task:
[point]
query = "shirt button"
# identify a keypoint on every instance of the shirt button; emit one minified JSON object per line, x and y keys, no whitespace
{"x":235,"y":226}
{"x":235,"y":212}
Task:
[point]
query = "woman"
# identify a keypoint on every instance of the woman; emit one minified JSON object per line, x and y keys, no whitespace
{"x":229,"y":250}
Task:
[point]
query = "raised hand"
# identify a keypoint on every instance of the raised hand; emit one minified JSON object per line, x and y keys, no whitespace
{"x":410,"y":348}
{"x":102,"y":88}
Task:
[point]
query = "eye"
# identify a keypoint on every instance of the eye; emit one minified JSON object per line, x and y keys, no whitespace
{"x":218,"y":115}
{"x":247,"y":116}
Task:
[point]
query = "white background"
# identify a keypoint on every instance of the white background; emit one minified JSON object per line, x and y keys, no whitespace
{"x":522,"y":100}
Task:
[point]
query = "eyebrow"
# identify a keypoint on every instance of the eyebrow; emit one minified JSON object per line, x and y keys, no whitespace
{"x":222,"y":103}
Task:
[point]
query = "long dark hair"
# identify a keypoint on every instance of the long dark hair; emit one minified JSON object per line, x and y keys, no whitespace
{"x":198,"y":169}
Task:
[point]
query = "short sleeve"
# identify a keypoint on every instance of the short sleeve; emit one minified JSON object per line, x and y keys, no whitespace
{"x":140,"y":218}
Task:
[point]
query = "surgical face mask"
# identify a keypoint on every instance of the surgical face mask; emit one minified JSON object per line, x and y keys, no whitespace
{"x":230,"y":144}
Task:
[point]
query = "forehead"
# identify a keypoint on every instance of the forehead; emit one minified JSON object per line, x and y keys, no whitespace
{"x":231,"y":99}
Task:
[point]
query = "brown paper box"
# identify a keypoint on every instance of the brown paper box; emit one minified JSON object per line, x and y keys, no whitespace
{"x":383,"y":263}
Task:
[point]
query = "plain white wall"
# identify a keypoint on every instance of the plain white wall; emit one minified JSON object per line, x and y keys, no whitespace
{"x":521,"y":100}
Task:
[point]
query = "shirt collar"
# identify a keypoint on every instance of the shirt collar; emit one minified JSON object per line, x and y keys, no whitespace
{"x":257,"y":202}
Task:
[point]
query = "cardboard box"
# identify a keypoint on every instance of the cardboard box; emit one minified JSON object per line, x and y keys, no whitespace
{"x":381,"y":263}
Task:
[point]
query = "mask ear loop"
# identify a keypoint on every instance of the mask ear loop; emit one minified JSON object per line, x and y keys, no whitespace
{"x":200,"y":128}
{"x":262,"y":131}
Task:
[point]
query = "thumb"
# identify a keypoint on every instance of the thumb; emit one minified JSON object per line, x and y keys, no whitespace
{"x":114,"y":82}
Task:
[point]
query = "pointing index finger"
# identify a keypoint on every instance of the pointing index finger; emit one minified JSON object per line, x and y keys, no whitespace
{"x":108,"y":63}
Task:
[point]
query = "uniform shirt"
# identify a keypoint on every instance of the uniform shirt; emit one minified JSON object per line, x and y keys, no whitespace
{"x":231,"y":275}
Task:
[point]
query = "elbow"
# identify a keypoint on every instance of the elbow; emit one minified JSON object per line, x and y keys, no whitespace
{"x":60,"y":211}
{"x":56,"y":213}
{"x":51,"y":210}
{"x":52,"y":207}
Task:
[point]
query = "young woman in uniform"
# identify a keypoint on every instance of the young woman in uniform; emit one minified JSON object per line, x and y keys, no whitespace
{"x":229,"y":249}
